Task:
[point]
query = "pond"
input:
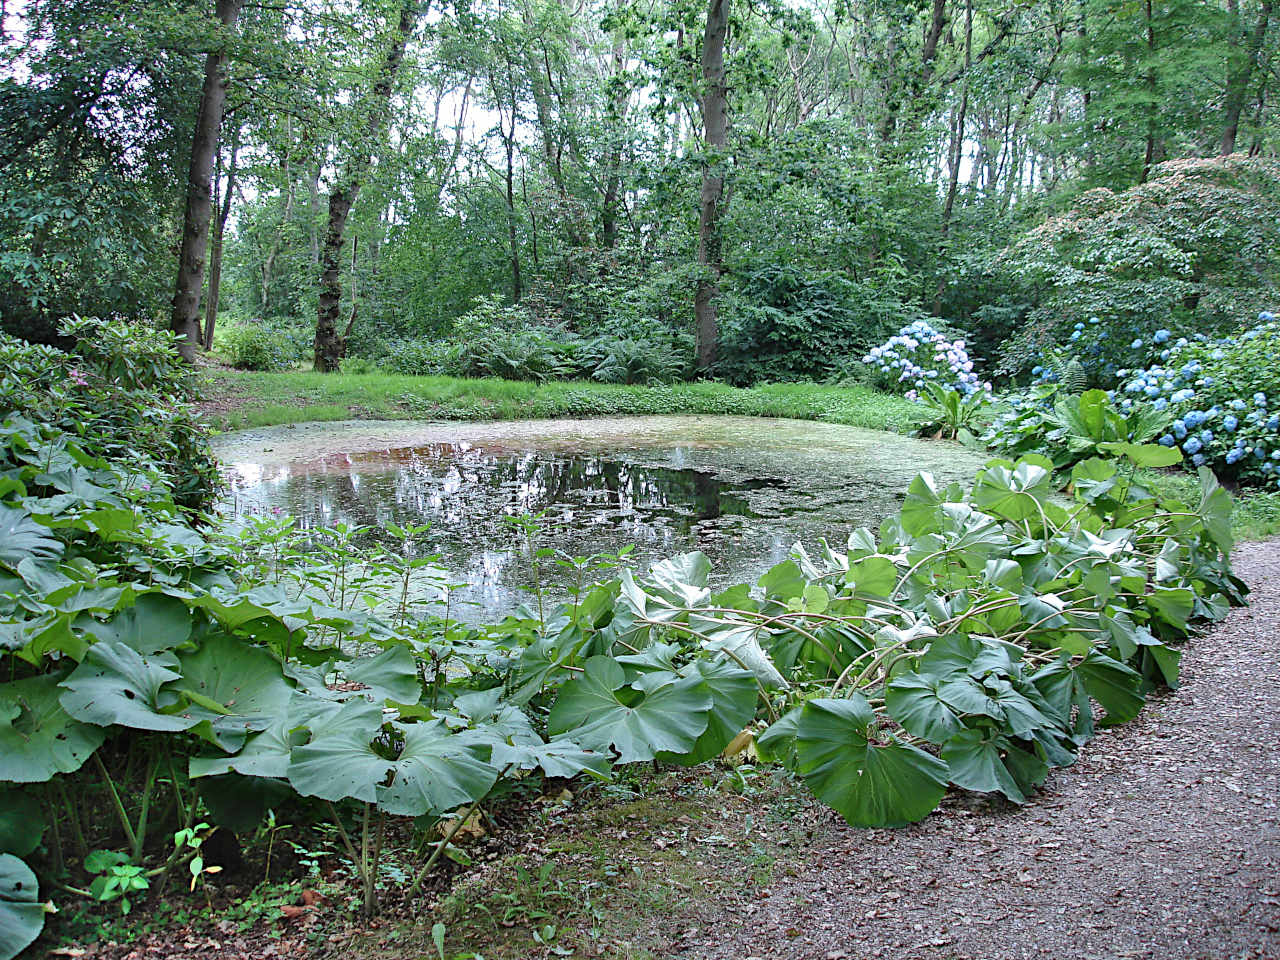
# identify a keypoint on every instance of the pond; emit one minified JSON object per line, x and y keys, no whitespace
{"x":740,"y":489}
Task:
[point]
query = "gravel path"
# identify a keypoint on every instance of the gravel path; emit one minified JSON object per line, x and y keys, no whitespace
{"x":1163,"y":841}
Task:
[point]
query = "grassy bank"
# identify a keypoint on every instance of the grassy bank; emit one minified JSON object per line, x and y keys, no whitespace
{"x":236,"y":400}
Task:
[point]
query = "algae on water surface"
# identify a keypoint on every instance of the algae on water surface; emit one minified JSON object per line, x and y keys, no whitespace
{"x":740,"y":489}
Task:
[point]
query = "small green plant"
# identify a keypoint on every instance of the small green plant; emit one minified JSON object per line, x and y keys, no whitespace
{"x":948,"y":414}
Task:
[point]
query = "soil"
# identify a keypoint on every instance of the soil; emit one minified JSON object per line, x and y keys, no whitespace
{"x":1162,"y":841}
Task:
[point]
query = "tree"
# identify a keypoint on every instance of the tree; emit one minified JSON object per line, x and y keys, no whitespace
{"x":330,"y":346}
{"x":715,"y":122}
{"x":185,"y":320}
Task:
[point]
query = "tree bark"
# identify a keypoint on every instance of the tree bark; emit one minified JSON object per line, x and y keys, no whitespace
{"x":330,"y":345}
{"x":715,"y":123}
{"x":215,"y":256}
{"x":1239,"y":76}
{"x":185,"y":318}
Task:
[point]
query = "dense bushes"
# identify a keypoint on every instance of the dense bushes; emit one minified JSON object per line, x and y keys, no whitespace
{"x":1222,"y":398}
{"x":263,"y":344}
{"x":919,"y":355}
{"x":121,"y":390}
{"x":1192,"y":249}
{"x":507,"y":343}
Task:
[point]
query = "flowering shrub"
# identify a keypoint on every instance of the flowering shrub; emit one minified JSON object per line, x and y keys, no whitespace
{"x":919,"y":354}
{"x":1224,"y":396}
{"x":1104,"y":351}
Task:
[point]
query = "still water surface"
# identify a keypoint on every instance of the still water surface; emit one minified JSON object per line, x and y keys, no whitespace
{"x":742,"y":490}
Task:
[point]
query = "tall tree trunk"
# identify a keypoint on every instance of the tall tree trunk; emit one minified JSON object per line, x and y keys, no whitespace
{"x":715,"y":124}
{"x":185,"y":319}
{"x":219,"y":235}
{"x":1239,"y":75}
{"x":330,"y":345}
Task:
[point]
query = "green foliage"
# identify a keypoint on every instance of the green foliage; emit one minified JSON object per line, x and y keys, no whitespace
{"x":948,"y":414}
{"x":1191,"y":249}
{"x":1069,"y":428}
{"x":121,"y":390}
{"x":262,"y":345}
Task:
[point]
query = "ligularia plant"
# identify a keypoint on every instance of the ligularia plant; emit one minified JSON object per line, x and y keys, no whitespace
{"x":918,"y":355}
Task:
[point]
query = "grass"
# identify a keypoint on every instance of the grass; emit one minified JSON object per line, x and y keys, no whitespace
{"x":621,"y":876}
{"x":1256,"y":515}
{"x":237,"y":400}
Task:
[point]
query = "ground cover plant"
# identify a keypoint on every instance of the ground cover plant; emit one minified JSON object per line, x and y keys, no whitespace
{"x":183,"y":679}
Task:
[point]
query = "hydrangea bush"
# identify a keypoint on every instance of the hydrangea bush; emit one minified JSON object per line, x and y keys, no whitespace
{"x":1105,"y":353}
{"x":920,"y":354}
{"x":1224,"y":395}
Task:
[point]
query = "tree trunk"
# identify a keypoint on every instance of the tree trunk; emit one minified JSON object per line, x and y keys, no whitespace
{"x":330,"y":345}
{"x":1239,"y":76}
{"x":215,"y":257}
{"x":715,"y":122}
{"x":185,"y":319}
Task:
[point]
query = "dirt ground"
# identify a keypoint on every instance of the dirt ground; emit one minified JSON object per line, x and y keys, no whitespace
{"x":1163,"y":841}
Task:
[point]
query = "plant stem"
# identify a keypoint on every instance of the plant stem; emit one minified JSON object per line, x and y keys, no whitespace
{"x":115,"y":796}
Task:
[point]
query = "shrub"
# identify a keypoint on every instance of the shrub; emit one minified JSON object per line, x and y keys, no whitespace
{"x":919,"y":354}
{"x":1193,"y":248}
{"x":1223,"y":399}
{"x":122,"y":391}
{"x":263,"y":345}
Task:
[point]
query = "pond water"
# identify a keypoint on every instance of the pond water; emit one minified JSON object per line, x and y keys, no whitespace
{"x":741,"y":489}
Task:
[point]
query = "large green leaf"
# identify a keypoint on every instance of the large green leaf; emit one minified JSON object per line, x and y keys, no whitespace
{"x":912,"y":699}
{"x":117,"y":685}
{"x":241,"y":685}
{"x":268,"y":753}
{"x":733,"y":705}
{"x":339,"y":761}
{"x":21,"y":537}
{"x":21,"y":913}
{"x":1016,"y":492}
{"x":977,"y":759}
{"x":435,"y":771}
{"x":37,"y":737}
{"x":155,"y":622}
{"x":601,"y":712}
{"x":869,"y":783}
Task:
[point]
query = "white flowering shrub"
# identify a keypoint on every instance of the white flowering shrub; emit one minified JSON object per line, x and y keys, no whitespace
{"x":919,"y":354}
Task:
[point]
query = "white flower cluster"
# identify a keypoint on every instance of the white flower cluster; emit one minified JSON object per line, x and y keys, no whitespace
{"x":919,"y":354}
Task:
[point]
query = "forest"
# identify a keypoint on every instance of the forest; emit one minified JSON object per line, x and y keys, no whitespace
{"x":639,"y":478}
{"x":654,"y":191}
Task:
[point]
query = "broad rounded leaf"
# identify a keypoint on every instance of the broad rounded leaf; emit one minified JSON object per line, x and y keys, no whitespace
{"x":870,"y":784}
{"x":975,"y":759}
{"x":733,"y":696}
{"x":912,"y":699}
{"x":240,"y":684}
{"x":21,"y":914}
{"x":117,"y":685}
{"x":21,"y":537}
{"x":37,"y":737}
{"x":668,"y":718}
{"x":339,"y":762}
{"x":436,"y":771}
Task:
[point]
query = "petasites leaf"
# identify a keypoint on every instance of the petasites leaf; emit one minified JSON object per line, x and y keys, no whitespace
{"x":21,"y":537}
{"x":21,"y":914}
{"x":39,"y":739}
{"x":869,"y":783}
{"x":339,"y":761}
{"x":601,"y":712}
{"x":733,"y":705}
{"x":240,"y":684}
{"x":436,"y":771}
{"x":117,"y":685}
{"x":912,"y":699}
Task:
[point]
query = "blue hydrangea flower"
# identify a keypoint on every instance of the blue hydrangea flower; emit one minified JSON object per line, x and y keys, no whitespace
{"x":1136,"y":345}
{"x":1192,"y":445}
{"x":1179,"y":429}
{"x":1229,"y":423}
{"x":1161,"y":336}
{"x":1235,"y":455}
{"x":1167,"y":440}
{"x":1198,"y":460}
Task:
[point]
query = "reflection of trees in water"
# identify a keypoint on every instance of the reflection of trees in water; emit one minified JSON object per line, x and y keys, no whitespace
{"x":593,"y":504}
